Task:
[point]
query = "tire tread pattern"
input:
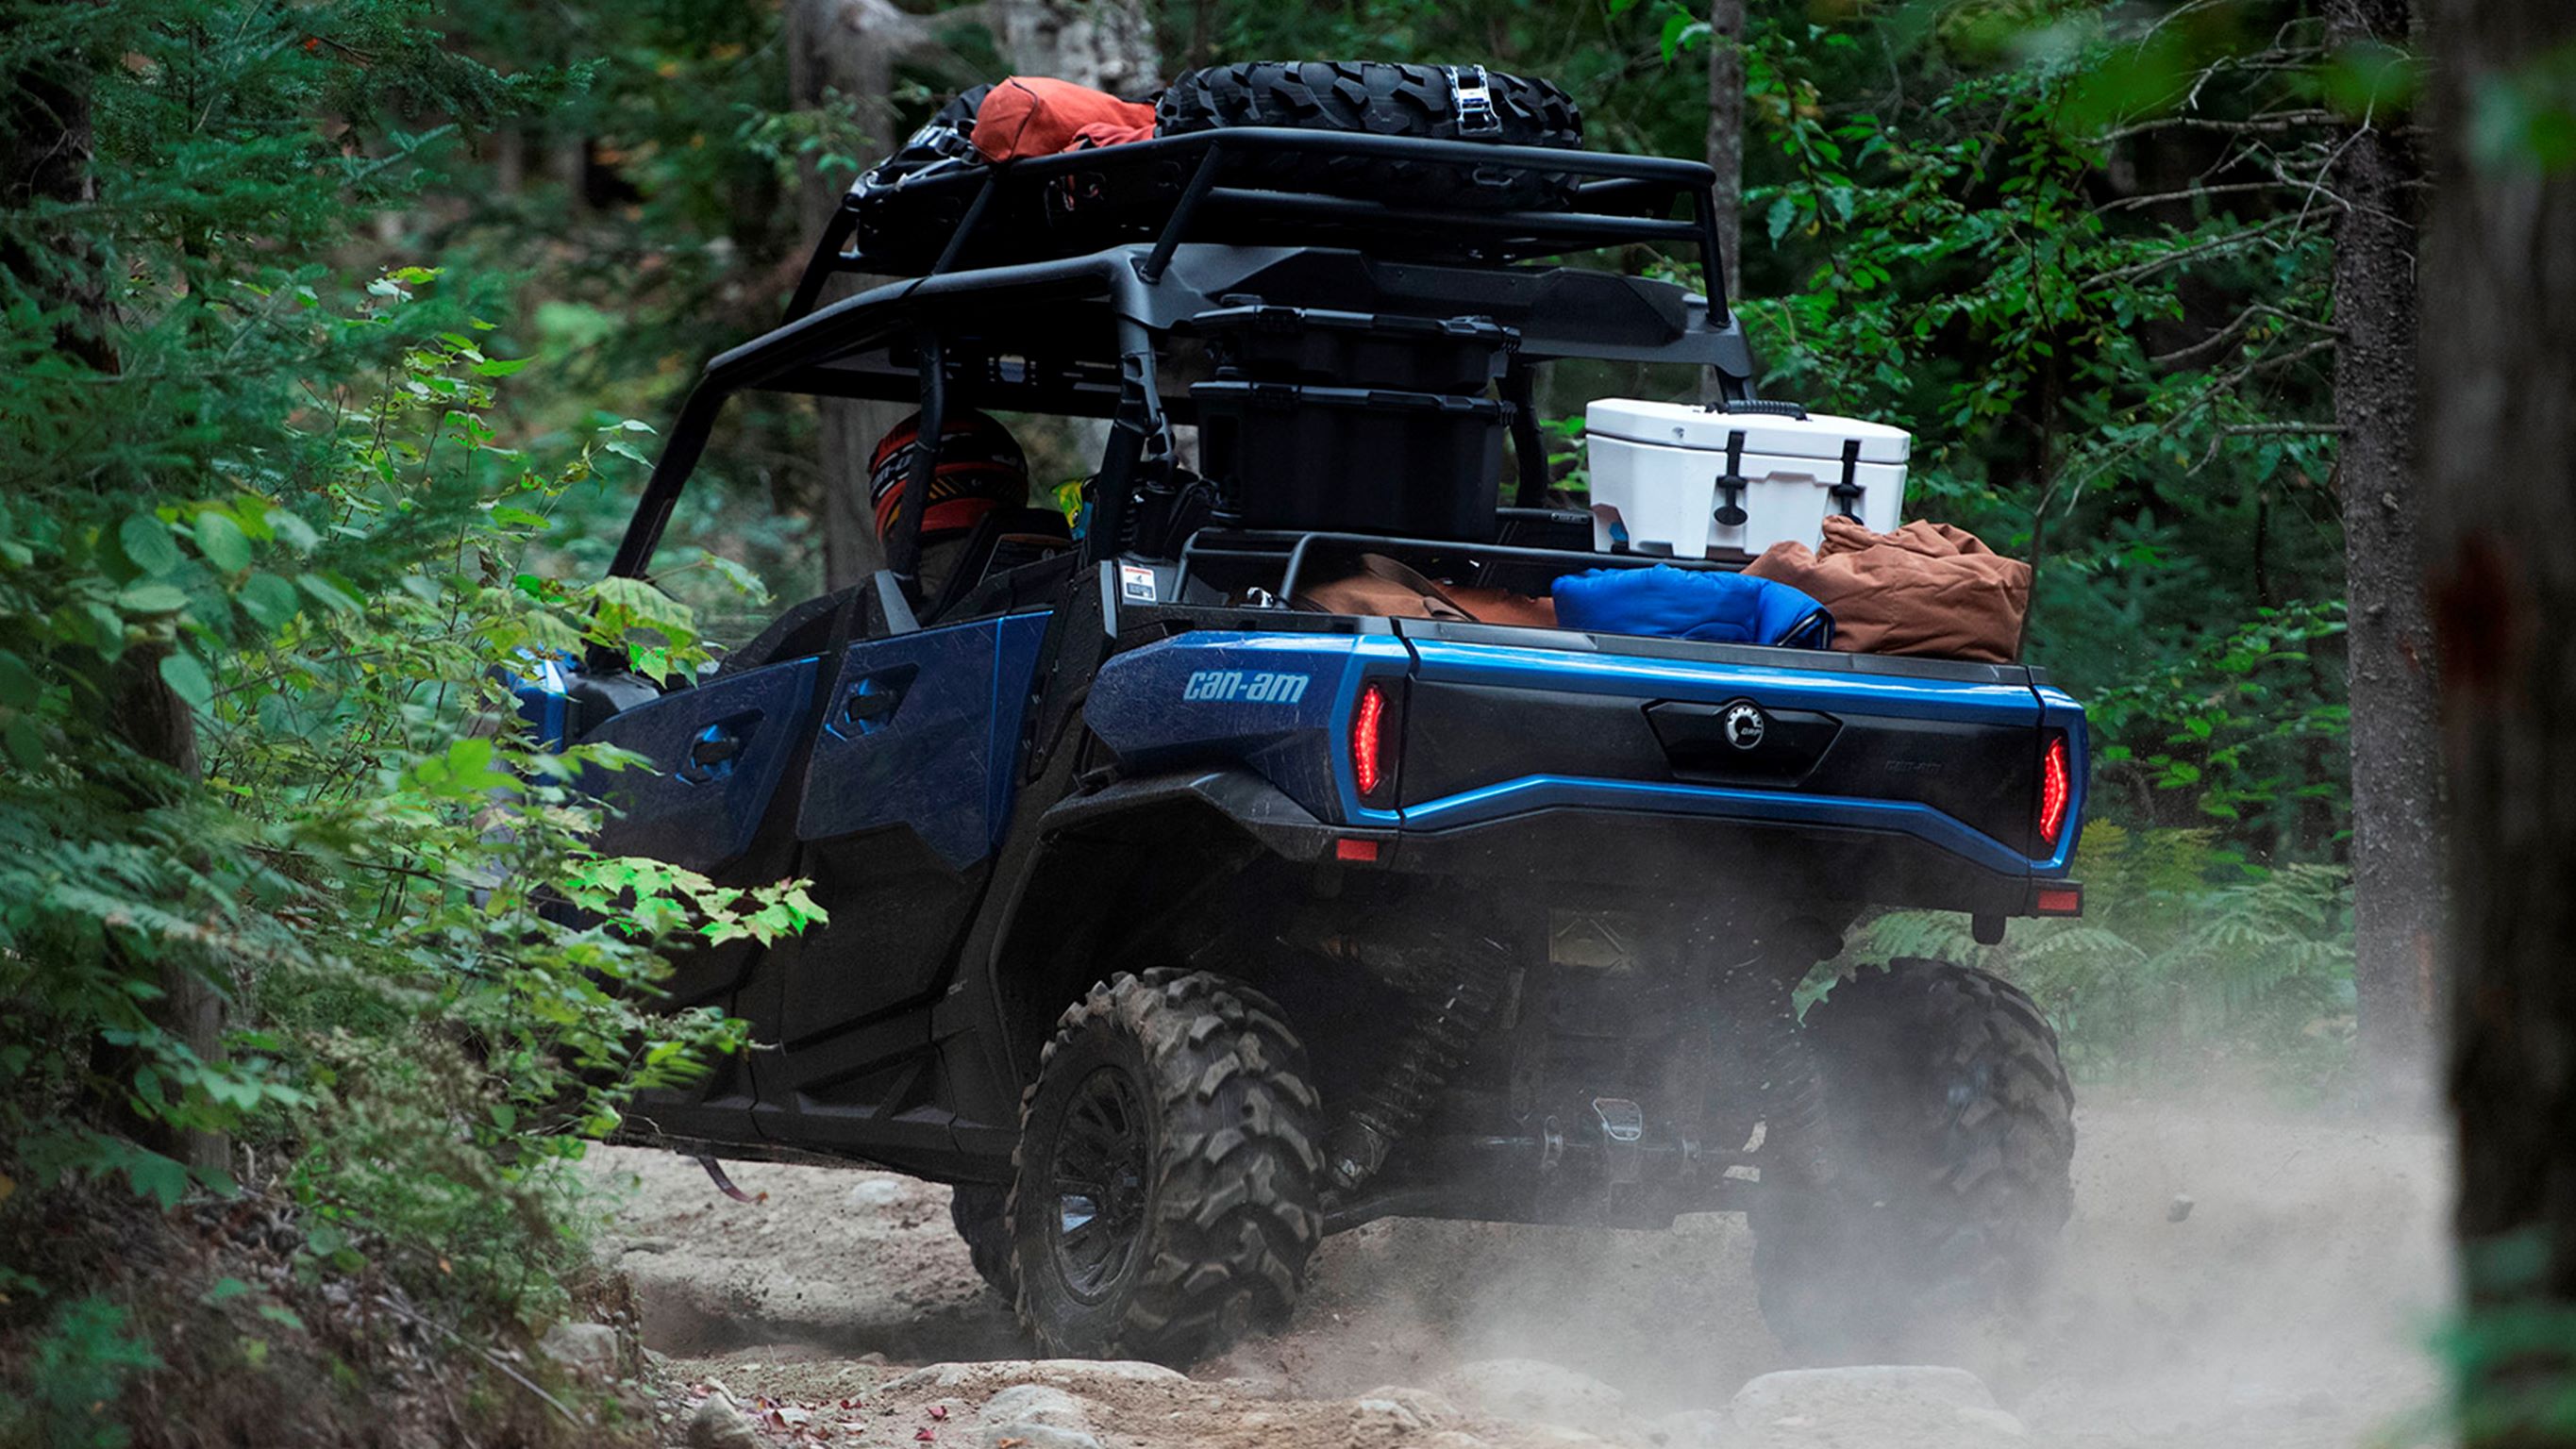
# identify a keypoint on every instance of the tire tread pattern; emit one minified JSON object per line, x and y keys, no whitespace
{"x":1379,"y":98}
{"x":1233,"y":1200}
{"x":1950,"y":1136}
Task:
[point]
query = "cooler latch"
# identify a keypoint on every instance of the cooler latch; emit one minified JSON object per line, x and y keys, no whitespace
{"x":1846,"y":494}
{"x":1474,"y":101}
{"x":1730,"y":484}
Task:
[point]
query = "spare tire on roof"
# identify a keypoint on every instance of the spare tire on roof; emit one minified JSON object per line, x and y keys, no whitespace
{"x":1381,"y":98}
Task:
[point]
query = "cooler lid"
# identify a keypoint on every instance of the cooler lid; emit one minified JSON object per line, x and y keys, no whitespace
{"x":1687,"y":425}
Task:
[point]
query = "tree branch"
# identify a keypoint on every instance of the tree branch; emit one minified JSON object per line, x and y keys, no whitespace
{"x":2273,"y":124}
{"x":2215,"y":244}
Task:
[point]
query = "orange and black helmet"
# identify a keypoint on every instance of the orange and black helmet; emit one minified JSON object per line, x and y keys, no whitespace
{"x":980,"y":469}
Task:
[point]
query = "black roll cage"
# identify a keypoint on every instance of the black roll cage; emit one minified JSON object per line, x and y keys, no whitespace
{"x":898,"y":341}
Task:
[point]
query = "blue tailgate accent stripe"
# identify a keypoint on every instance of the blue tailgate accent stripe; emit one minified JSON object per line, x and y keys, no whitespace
{"x":1643,"y":679}
{"x":1542,"y":792}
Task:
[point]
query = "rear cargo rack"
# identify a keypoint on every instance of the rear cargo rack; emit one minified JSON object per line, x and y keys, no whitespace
{"x":1294,"y":548}
{"x":1170,"y":189}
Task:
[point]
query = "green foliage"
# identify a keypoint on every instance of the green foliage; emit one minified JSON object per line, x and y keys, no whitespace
{"x":264,"y":551}
{"x":366,"y":859}
{"x":81,"y":1363}
{"x":2189,"y":961}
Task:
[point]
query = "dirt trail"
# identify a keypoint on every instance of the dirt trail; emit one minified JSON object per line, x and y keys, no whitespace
{"x":2285,"y":1309}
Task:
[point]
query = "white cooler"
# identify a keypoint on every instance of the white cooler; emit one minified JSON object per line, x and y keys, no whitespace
{"x":1679,"y":479}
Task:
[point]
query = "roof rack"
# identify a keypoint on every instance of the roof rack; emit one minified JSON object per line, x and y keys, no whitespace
{"x":1175,"y":189}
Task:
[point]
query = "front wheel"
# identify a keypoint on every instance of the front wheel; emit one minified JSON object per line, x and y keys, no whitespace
{"x":1946,"y":1169}
{"x":1166,"y":1196}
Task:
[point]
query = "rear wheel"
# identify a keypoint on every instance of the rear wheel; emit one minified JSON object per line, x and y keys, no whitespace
{"x":1380,"y":98}
{"x":1166,"y":1196}
{"x":1944,"y":1172}
{"x":977,"y":1212}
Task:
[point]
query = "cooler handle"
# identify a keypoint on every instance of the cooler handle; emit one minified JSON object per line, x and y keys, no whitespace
{"x":1730,"y":484}
{"x":1847,"y":493}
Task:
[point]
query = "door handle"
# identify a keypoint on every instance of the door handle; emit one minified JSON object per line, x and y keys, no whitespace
{"x":870,"y":704}
{"x":713,"y":753}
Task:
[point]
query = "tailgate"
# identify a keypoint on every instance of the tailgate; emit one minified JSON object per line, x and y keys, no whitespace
{"x":1499,"y":721}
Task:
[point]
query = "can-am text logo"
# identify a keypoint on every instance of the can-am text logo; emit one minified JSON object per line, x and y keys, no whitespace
{"x":1231,"y":686}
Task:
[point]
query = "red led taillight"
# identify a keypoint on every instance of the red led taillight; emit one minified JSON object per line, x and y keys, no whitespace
{"x":2056,"y":789}
{"x":1369,"y":764}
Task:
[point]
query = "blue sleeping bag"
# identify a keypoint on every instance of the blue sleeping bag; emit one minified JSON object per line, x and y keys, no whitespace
{"x":1669,"y":603}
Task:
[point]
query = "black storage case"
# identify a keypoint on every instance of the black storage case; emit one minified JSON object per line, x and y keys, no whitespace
{"x":1356,"y":349}
{"x":1363,"y":460}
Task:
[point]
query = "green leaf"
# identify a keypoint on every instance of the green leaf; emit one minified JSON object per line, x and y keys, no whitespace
{"x":25,"y":742}
{"x":1783,"y":214}
{"x":222,"y":542}
{"x":157,"y":1177}
{"x":328,"y":594}
{"x":269,"y":600}
{"x":152,"y":599}
{"x":18,"y":687}
{"x":147,"y":542}
{"x":292,"y":530}
{"x":501,"y":367}
{"x":187,"y":679}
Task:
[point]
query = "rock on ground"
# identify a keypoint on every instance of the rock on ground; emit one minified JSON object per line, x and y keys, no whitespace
{"x":1696,"y":1429}
{"x":717,"y":1424}
{"x":1521,"y":1388}
{"x":587,"y":1350}
{"x":1862,"y":1408}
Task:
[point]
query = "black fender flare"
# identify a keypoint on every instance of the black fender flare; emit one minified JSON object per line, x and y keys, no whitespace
{"x":1147,"y":813}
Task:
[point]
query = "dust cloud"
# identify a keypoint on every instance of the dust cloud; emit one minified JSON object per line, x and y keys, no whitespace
{"x":2264,"y":1282}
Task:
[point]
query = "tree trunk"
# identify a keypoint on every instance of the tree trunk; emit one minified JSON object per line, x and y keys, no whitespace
{"x":2396,"y":858}
{"x":46,"y":147}
{"x":1107,"y":45}
{"x":1726,"y":132}
{"x":845,"y":49}
{"x":2500,"y":495}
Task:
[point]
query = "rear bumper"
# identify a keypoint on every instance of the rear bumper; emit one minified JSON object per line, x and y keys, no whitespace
{"x":1616,"y":837}
{"x":1828,"y":851}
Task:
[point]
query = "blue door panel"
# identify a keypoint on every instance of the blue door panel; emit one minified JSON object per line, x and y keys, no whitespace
{"x":1017,"y":640}
{"x":717,"y":751}
{"x":924,"y":733}
{"x":907,"y":742}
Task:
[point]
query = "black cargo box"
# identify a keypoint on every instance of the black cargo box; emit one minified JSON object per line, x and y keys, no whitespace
{"x":1354,"y":459}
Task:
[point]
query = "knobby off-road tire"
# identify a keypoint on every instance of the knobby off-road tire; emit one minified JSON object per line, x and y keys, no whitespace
{"x":1947,"y":1141}
{"x":977,"y":1211}
{"x":1379,"y":98}
{"x":1166,"y":1197}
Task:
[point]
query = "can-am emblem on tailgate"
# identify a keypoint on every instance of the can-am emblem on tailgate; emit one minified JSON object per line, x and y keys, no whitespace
{"x":1744,"y":724}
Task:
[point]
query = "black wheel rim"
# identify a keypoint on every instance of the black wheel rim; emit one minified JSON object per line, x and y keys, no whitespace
{"x":1098,"y":1183}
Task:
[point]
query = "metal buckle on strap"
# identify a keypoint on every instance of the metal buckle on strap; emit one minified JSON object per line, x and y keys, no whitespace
{"x":1474,"y":101}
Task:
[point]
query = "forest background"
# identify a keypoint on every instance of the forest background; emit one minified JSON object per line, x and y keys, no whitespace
{"x":337,"y":333}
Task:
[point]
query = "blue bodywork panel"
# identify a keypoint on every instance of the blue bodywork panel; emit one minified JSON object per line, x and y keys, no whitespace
{"x":694,"y":814}
{"x":1832,"y":692}
{"x":1278,"y":704}
{"x":925,"y":732}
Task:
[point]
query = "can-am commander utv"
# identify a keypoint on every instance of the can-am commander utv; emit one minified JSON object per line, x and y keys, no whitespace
{"x":1179,"y":922}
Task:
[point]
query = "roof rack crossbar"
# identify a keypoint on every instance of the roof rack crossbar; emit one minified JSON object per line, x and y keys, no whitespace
{"x":1649,"y":182}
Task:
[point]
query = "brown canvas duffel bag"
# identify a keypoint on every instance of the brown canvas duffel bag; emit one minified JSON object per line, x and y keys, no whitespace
{"x":1927,"y":588}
